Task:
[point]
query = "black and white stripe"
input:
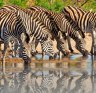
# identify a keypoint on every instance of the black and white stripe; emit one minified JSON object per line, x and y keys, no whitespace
{"x":84,"y":20}
{"x":65,"y":27}
{"x":32,"y":24}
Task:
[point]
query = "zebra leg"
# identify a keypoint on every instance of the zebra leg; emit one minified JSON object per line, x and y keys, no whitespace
{"x":60,"y":55}
{"x":93,"y":48}
{"x":23,"y":53}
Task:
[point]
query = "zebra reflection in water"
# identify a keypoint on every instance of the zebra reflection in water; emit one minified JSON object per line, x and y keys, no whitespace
{"x":43,"y":81}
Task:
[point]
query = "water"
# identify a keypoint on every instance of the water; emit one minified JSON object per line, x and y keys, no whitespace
{"x":74,"y":75}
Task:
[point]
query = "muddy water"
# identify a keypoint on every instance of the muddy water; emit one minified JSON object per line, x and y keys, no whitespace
{"x":75,"y":75}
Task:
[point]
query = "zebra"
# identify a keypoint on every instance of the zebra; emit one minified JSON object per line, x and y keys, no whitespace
{"x":84,"y":20}
{"x":33,"y":26}
{"x":49,"y":23}
{"x":46,"y":19}
{"x":37,"y":8}
{"x":72,"y":30}
{"x":11,"y":26}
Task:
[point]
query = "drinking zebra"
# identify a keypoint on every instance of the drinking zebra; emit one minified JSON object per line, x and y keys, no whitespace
{"x":46,"y":19}
{"x":11,"y":26}
{"x":72,"y":30}
{"x":84,"y":20}
{"x":34,"y":27}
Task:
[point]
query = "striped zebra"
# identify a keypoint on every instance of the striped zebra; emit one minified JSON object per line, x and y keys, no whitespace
{"x":33,"y":26}
{"x":72,"y":30}
{"x":11,"y":26}
{"x":38,"y":8}
{"x":47,"y":20}
{"x":84,"y":20}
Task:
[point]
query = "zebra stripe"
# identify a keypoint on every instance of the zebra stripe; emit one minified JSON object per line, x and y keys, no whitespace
{"x":48,"y":20}
{"x":35,"y":27}
{"x":65,"y":27}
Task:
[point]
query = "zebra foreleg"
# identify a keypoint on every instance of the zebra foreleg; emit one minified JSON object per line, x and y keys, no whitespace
{"x":93,"y":47}
{"x":60,"y":55}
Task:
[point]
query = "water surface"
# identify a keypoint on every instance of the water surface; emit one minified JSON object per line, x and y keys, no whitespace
{"x":75,"y":75}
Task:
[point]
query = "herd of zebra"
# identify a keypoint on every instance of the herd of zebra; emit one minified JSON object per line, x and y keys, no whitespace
{"x":37,"y":24}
